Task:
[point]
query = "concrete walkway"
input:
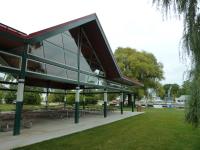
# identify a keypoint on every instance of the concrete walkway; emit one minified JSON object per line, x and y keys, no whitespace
{"x":48,"y":129}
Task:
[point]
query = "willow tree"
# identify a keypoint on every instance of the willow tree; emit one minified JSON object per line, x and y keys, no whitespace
{"x":140,"y":65}
{"x":189,"y":11}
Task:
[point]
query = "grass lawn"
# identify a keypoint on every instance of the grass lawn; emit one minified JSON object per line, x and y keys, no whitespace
{"x":157,"y":129}
{"x":11,"y":107}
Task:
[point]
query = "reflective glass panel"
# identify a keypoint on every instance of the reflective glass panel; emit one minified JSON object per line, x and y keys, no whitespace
{"x":72,"y":75}
{"x":84,"y":65}
{"x":57,"y":40}
{"x":35,"y":66}
{"x":71,"y":59}
{"x":68,"y":33}
{"x":53,"y":53}
{"x":69,"y":43}
{"x":92,"y":80}
{"x":102,"y":81}
{"x":9,"y":60}
{"x":83,"y":77}
{"x":36,"y":49}
{"x":56,"y":71}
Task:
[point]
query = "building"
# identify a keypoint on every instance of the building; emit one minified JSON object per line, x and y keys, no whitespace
{"x":73,"y":55}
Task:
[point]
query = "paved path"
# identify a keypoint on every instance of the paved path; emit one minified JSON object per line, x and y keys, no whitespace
{"x":48,"y":129}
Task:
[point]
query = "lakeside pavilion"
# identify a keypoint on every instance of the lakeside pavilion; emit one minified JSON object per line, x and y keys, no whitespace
{"x":71,"y":56}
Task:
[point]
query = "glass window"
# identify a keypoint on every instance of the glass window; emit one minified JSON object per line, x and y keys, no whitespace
{"x":71,"y":59}
{"x":56,"y":71}
{"x":9,"y":60}
{"x":36,"y":66}
{"x":102,"y":81}
{"x":83,"y":77}
{"x":92,"y":80}
{"x":53,"y":53}
{"x":36,"y":49}
{"x":72,"y":75}
{"x":69,"y":43}
{"x":84,"y":65}
{"x":57,"y":40}
{"x":68,"y":33}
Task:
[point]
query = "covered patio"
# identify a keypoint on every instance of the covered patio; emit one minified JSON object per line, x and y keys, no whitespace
{"x":49,"y":129}
{"x":74,"y":56}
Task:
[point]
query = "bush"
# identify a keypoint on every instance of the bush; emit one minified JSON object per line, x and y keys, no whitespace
{"x":32,"y":98}
{"x":10,"y":96}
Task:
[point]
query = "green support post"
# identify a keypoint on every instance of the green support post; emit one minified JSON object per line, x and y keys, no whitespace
{"x":121,"y":103}
{"x":46,"y":100}
{"x":83,"y":101}
{"x":132,"y":102}
{"x":77,"y":99}
{"x":105,"y":103}
{"x":20,"y":94}
{"x":19,"y":105}
{"x":65,"y":100}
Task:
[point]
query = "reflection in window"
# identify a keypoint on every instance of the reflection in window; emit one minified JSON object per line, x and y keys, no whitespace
{"x":72,"y":75}
{"x":56,"y":71}
{"x":102,"y":81}
{"x":57,"y":40}
{"x":83,"y":78}
{"x":69,"y":43}
{"x":84,"y":65}
{"x":53,"y":52}
{"x":92,"y":80}
{"x":68,"y":33}
{"x":35,"y":66}
{"x":71,"y":59}
{"x":36,"y":49}
{"x":8,"y":60}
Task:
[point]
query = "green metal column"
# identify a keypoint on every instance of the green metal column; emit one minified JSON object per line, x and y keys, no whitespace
{"x":46,"y":99}
{"x":105,"y":103}
{"x":77,"y":95}
{"x":19,"y":104}
{"x":20,"y":94}
{"x":83,"y":101}
{"x":77,"y":99}
{"x":121,"y":102}
{"x":65,"y":100}
{"x":132,"y":102}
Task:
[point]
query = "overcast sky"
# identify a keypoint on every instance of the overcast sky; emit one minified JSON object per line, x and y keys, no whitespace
{"x":126,"y":23}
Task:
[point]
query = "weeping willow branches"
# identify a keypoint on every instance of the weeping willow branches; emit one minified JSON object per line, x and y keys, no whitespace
{"x":189,"y":10}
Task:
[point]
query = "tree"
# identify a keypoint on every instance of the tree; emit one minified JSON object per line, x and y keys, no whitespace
{"x":56,"y":97}
{"x":175,"y":90}
{"x":160,"y":91}
{"x":185,"y":89}
{"x":139,"y":65}
{"x":32,"y":98}
{"x":189,"y":9}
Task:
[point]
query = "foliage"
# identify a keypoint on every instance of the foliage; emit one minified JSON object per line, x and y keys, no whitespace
{"x":189,"y":9}
{"x":10,"y":96}
{"x":2,"y":94}
{"x":185,"y":89}
{"x":175,"y":90}
{"x":157,"y":129}
{"x":160,"y":90}
{"x":56,"y":97}
{"x":140,"y":65}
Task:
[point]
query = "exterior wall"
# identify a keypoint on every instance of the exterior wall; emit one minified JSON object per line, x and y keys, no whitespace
{"x":56,"y":58}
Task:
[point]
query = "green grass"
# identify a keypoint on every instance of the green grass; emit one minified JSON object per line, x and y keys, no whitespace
{"x":11,"y":107}
{"x":161,"y":129}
